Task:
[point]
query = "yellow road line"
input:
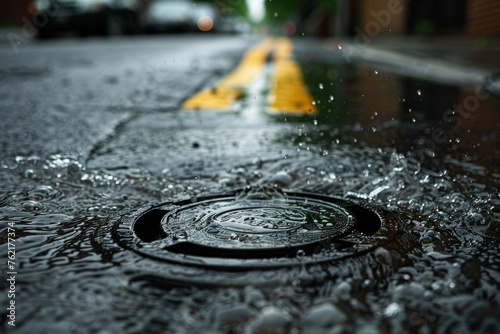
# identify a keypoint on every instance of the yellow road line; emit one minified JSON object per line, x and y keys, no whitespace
{"x":230,"y":88}
{"x":288,"y":91}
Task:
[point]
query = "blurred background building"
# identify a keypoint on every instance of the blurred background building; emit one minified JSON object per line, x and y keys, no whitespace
{"x":472,"y":18}
{"x":483,"y":18}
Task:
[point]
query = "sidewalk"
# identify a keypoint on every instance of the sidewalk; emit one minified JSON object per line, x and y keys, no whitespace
{"x":451,"y":59}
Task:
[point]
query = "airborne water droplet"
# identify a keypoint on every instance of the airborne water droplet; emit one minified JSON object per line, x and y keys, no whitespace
{"x":301,"y":254}
{"x":398,"y":162}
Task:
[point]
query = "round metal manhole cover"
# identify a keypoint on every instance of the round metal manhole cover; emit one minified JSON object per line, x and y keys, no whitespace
{"x":255,"y":228}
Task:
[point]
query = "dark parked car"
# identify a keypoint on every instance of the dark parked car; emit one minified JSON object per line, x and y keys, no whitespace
{"x":104,"y":17}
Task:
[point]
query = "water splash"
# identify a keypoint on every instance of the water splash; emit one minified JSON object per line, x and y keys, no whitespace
{"x":434,"y":277}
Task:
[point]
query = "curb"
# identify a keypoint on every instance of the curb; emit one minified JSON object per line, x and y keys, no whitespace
{"x":423,"y":67}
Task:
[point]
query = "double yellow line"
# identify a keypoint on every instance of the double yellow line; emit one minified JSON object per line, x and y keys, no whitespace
{"x":288,"y":93}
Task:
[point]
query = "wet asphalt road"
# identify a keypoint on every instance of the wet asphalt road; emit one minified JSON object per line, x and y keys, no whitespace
{"x":93,"y":129}
{"x":79,"y":95}
{"x":71,"y":94}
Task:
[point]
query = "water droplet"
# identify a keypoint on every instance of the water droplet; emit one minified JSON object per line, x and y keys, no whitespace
{"x":331,"y":98}
{"x":376,"y":72}
{"x":323,"y":316}
{"x":30,"y":174}
{"x":392,"y":309}
{"x":282,"y":179}
{"x":320,"y":86}
{"x":32,"y":206}
{"x":398,"y":162}
{"x":419,"y":92}
{"x":272,"y":320}
{"x":275,"y":14}
{"x":343,"y":290}
{"x":181,"y":235}
{"x":476,"y":221}
{"x":300,"y":254}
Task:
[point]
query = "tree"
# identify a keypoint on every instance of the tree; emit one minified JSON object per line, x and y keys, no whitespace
{"x":280,"y":11}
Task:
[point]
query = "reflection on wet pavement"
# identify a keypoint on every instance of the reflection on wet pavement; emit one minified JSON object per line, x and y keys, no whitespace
{"x":422,"y":152}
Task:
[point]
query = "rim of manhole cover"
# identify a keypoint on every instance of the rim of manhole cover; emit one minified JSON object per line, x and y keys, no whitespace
{"x":255,"y":227}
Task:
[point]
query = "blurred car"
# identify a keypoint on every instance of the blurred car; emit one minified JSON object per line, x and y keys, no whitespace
{"x":234,"y":25}
{"x":180,"y":16}
{"x":103,"y":17}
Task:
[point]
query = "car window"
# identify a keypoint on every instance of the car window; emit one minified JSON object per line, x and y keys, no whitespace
{"x":171,"y":8}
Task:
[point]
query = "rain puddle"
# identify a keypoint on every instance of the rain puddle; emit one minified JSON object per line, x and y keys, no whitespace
{"x":347,"y":222}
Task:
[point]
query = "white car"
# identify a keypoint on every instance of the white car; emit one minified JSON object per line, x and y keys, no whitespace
{"x":180,"y":16}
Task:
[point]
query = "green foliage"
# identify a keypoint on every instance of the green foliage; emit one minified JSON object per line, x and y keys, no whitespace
{"x":425,"y":28}
{"x":280,"y":11}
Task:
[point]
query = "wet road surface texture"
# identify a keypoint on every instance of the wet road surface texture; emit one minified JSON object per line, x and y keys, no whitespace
{"x":240,"y":184}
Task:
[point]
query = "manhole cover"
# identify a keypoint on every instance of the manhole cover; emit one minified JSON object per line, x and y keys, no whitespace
{"x":255,"y":228}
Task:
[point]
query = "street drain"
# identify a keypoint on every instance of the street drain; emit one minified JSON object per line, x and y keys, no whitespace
{"x":255,"y":228}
